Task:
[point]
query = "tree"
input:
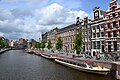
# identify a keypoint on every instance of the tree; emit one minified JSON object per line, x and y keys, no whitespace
{"x":2,"y":43}
{"x":43,"y":45}
{"x":38,"y":45}
{"x":49,"y":46}
{"x":59,"y":43}
{"x":78,"y":42}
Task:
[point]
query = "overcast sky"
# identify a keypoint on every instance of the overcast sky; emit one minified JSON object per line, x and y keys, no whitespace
{"x":30,"y":18}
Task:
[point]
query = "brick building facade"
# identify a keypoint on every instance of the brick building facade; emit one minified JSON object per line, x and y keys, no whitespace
{"x":112,"y":27}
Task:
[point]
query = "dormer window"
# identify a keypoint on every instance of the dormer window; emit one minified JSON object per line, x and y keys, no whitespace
{"x":113,"y":15}
{"x":114,"y":24}
{"x":109,"y":16}
{"x":108,"y":25}
{"x":96,"y":15}
{"x":113,"y":8}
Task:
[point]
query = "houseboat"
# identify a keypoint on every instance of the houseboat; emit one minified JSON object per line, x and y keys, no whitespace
{"x":82,"y":65}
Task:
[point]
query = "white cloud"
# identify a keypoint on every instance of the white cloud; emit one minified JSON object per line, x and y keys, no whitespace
{"x":57,"y":14}
{"x":5,"y":14}
{"x":1,"y":34}
{"x":21,"y":13}
{"x":18,"y":23}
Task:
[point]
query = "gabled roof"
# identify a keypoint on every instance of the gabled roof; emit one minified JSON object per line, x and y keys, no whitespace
{"x":102,"y":13}
{"x":67,"y":28}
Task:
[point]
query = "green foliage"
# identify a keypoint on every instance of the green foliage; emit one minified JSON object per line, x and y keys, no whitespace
{"x":43,"y":45}
{"x":49,"y":46}
{"x":78,"y":42}
{"x":37,"y":45}
{"x":2,"y":43}
{"x":59,"y":43}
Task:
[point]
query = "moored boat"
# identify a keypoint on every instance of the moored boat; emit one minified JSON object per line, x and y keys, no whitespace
{"x":30,"y":51}
{"x":86,"y":66}
{"x":49,"y":56}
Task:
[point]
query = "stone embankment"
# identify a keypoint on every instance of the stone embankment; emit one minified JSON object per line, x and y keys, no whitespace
{"x":4,"y":50}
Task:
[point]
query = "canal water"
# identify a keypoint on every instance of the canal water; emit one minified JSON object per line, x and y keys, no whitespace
{"x":18,"y":65}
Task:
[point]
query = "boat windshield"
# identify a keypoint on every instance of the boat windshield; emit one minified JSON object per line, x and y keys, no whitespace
{"x":93,"y":65}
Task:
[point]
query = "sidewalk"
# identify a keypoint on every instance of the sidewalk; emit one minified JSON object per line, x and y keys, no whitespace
{"x":102,"y":62}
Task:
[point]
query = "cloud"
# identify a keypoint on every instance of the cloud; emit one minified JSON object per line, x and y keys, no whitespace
{"x":21,"y":13}
{"x":26,"y":23}
{"x":5,"y":14}
{"x":1,"y":34}
{"x":57,"y":14}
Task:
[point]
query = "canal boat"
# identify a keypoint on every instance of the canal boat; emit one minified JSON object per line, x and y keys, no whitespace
{"x":49,"y":56}
{"x":37,"y":52}
{"x":30,"y":51}
{"x":86,"y":66}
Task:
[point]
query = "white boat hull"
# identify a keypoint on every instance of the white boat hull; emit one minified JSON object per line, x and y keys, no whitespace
{"x":96,"y":71}
{"x":51,"y":57}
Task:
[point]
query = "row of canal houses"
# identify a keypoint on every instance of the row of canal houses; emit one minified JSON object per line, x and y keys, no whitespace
{"x":100,"y":35}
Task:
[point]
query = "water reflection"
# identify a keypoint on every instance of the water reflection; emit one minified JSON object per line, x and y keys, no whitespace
{"x":18,"y":65}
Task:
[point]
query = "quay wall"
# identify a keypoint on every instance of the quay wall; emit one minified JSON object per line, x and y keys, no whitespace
{"x":2,"y":51}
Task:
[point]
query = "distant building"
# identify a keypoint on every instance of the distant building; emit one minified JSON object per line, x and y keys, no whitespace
{"x":44,"y":37}
{"x":52,"y":35}
{"x":22,"y":43}
{"x":97,"y":29}
{"x":86,"y":34}
{"x":13,"y":43}
{"x":68,"y":34}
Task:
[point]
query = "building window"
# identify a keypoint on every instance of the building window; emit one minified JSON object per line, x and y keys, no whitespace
{"x":114,"y":24}
{"x":94,"y":45}
{"x":115,"y":45}
{"x":119,"y":23}
{"x":102,"y":34}
{"x":94,"y":35}
{"x":98,"y":45}
{"x":114,"y":34}
{"x":102,"y":25}
{"x":98,"y":27}
{"x":113,"y":8}
{"x":93,"y":27}
{"x":98,"y":34}
{"x":109,"y":16}
{"x":102,"y":42}
{"x":113,"y":15}
{"x":109,"y":42}
{"x":108,"y":25}
{"x":109,"y":34}
{"x":119,"y":14}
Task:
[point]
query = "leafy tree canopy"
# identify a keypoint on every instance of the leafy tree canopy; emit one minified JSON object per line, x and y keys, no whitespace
{"x":78,"y":42}
{"x":37,"y":45}
{"x":43,"y":45}
{"x":59,"y":43}
{"x":49,"y":46}
{"x":2,"y":43}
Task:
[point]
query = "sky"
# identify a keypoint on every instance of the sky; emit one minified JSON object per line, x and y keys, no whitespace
{"x":30,"y":18}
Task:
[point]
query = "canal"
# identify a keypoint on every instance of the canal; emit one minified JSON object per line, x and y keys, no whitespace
{"x":18,"y":65}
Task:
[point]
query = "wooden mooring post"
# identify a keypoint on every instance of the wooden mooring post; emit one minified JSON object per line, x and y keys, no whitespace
{"x":115,"y":69}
